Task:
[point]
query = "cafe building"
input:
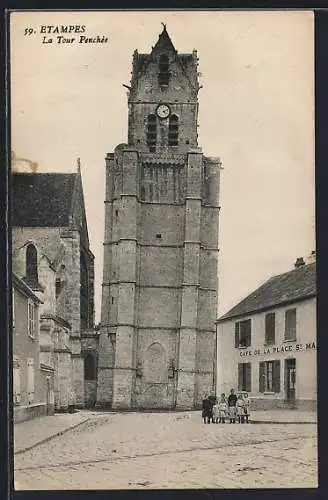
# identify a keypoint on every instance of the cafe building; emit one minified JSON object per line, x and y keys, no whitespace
{"x":267,"y":343}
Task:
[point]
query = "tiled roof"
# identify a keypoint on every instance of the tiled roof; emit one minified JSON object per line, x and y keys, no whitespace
{"x":294,"y":285}
{"x":41,"y":199}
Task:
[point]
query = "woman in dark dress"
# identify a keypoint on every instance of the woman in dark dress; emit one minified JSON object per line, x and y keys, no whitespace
{"x":206,"y":410}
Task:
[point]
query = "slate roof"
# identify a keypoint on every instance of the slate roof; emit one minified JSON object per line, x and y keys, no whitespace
{"x":295,"y":285}
{"x":23,"y":287}
{"x":42,"y":199}
{"x":164,"y":41}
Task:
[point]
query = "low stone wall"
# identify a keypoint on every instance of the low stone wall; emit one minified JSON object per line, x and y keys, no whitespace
{"x":22,"y":413}
{"x":276,"y":404}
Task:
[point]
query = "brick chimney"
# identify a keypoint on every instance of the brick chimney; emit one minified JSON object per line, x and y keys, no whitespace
{"x":299,"y":262}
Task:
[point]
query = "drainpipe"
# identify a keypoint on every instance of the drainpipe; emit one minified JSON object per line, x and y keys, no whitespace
{"x":48,"y":394}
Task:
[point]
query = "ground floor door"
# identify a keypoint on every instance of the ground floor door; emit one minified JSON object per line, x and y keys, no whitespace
{"x":156,"y":386}
{"x":290,"y":380}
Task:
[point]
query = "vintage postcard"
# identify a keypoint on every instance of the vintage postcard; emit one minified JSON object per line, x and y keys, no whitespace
{"x":163,"y":249}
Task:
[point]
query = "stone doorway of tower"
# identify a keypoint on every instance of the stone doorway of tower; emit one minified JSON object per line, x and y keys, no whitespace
{"x":158,"y":396}
{"x":156,"y":389}
{"x":290,"y":382}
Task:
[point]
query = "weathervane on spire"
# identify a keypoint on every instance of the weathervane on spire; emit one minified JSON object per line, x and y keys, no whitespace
{"x":164,"y":26}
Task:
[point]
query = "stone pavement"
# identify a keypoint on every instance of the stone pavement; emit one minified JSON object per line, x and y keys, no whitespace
{"x":33,"y":432}
{"x":284,"y":417}
{"x":170,"y":450}
{"x":30,"y":433}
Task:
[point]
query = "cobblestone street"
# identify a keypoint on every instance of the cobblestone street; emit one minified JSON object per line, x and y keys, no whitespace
{"x":170,"y":450}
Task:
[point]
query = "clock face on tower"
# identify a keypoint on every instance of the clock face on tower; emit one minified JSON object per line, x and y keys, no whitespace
{"x":163,"y":111}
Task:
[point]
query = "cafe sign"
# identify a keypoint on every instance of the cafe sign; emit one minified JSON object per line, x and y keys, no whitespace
{"x":278,"y":349}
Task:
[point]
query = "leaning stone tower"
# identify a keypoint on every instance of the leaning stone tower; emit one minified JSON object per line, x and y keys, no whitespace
{"x":159,"y":295}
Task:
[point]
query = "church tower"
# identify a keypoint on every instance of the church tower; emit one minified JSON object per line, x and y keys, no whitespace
{"x":159,"y":296}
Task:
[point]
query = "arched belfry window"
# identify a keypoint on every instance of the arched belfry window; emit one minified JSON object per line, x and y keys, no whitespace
{"x":173,"y":130}
{"x":163,"y":71}
{"x":151,"y":132}
{"x":31,"y":265}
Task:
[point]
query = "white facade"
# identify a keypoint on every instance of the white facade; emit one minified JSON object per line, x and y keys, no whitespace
{"x":290,"y":380}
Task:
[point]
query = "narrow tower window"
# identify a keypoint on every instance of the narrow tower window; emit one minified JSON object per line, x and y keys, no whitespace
{"x":84,"y":291}
{"x":31,"y":265}
{"x":173,"y":130}
{"x":163,"y":71}
{"x":90,"y":372}
{"x":151,"y":132}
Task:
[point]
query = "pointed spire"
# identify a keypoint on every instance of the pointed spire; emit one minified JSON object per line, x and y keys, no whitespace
{"x":164,"y":41}
{"x":79,"y":165}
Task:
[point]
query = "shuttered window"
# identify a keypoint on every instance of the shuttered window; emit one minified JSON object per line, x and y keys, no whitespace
{"x":290,"y":324}
{"x":244,"y":377}
{"x":16,"y":381}
{"x":269,"y":376}
{"x":270,"y":328}
{"x":30,"y":380}
{"x":31,"y":319}
{"x":243,"y":331}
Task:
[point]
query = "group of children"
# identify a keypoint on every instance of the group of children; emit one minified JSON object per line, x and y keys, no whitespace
{"x":235,"y":408}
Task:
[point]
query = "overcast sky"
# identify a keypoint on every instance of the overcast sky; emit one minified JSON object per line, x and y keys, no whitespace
{"x":256,"y":113}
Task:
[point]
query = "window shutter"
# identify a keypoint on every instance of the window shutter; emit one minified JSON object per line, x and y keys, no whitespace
{"x":240,"y":376}
{"x":290,"y":324}
{"x":248,"y":332}
{"x":31,"y":318}
{"x":270,"y":324}
{"x":261,"y":376}
{"x":237,"y":334}
{"x":16,"y":381}
{"x":30,"y":380}
{"x":276,"y":375}
{"x":248,"y":377}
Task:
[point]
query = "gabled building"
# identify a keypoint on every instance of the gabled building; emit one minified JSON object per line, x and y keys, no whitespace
{"x":51,"y":253}
{"x":267,"y":343}
{"x":33,"y":382}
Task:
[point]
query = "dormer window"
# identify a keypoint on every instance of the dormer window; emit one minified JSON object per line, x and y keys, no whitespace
{"x":173,"y":130}
{"x":163,"y":71}
{"x":151,"y":132}
{"x":31,"y":265}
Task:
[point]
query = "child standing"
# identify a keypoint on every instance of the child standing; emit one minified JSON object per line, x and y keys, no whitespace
{"x":215,"y":413}
{"x":247,"y":407}
{"x":223,"y":409}
{"x":206,"y":410}
{"x":240,"y":409}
